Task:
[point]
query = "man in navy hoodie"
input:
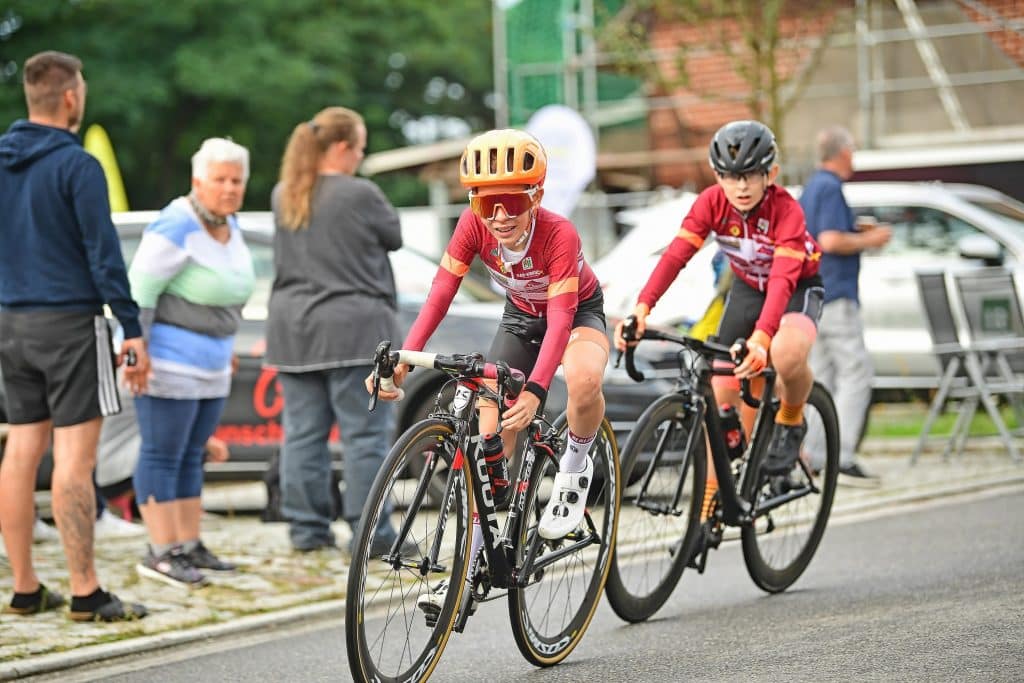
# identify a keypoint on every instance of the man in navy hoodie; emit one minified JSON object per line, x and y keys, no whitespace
{"x":60,"y":262}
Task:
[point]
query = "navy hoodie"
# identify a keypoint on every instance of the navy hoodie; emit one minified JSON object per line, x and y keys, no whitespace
{"x":59,"y":249}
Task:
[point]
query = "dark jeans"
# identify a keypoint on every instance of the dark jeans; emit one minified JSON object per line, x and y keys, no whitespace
{"x":313,"y":402}
{"x":174,"y":433}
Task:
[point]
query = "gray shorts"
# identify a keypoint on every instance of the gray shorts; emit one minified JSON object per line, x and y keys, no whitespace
{"x":57,"y":365}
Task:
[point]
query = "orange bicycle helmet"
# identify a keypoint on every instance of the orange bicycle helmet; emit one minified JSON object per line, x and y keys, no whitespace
{"x":503,"y":157}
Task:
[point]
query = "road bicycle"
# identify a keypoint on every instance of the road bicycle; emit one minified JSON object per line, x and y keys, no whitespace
{"x":781,"y":519}
{"x":435,"y":490}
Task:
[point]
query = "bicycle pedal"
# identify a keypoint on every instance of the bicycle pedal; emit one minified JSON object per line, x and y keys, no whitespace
{"x":699,"y":558}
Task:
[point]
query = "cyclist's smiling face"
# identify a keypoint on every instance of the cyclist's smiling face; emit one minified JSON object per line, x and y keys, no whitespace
{"x":510,"y":230}
{"x":745,"y":190}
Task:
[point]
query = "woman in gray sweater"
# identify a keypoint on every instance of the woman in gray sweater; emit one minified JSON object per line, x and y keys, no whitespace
{"x":333,"y":298}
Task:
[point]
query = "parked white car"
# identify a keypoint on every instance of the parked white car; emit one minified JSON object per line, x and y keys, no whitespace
{"x":935,"y":227}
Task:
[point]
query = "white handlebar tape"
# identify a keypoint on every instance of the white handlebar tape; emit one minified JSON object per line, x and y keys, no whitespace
{"x":388,"y":384}
{"x":420,"y":359}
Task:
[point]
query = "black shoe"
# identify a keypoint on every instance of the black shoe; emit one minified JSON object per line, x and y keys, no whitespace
{"x":42,"y":600}
{"x":316,"y":547}
{"x":113,"y":610}
{"x":784,"y":448}
{"x":854,"y":475}
{"x":202,"y":558}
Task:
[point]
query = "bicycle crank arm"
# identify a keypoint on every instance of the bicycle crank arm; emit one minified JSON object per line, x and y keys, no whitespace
{"x":780,"y":500}
{"x":555,"y":556}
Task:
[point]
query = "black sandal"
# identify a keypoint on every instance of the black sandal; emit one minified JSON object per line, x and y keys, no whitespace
{"x":41,"y":601}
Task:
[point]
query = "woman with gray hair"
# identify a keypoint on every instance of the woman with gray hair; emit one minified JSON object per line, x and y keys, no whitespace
{"x":190,"y":276}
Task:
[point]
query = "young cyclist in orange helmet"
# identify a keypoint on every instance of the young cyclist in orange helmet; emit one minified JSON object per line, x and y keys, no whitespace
{"x":776,"y":297}
{"x":554,"y":309}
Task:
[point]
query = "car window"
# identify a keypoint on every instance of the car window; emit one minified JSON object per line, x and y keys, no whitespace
{"x":920,"y":231}
{"x":1008,"y":215}
{"x":257,"y":306}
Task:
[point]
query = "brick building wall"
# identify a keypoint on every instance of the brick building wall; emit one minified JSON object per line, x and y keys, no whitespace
{"x":715,"y":93}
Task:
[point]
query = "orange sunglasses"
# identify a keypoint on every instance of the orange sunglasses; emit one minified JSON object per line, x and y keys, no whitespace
{"x":514,"y":203}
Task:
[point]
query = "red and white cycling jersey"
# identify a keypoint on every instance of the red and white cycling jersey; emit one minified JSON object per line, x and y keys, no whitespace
{"x":548,"y":281}
{"x":769,"y":248}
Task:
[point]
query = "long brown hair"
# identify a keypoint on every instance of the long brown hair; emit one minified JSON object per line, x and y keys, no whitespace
{"x":306,"y":146}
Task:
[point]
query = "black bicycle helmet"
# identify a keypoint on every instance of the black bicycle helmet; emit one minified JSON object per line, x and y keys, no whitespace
{"x":742,"y":147}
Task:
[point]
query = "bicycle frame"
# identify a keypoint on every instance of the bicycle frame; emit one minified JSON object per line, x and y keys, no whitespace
{"x":499,"y":544}
{"x":698,"y":395}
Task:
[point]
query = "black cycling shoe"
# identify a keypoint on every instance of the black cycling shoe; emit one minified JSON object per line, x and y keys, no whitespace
{"x":784,"y":448}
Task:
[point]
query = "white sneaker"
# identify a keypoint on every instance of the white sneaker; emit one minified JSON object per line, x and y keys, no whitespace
{"x":43,"y":532}
{"x":568,"y":503}
{"x":110,"y":525}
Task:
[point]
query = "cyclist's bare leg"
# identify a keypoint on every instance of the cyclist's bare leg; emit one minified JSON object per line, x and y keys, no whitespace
{"x":790,"y":350}
{"x":584,"y":361}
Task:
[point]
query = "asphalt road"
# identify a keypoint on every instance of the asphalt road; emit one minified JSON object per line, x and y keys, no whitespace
{"x":934,"y":593}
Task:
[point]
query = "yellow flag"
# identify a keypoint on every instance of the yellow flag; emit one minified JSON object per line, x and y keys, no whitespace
{"x":97,"y":143}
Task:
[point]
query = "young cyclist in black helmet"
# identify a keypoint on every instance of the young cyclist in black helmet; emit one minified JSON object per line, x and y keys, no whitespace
{"x":776,"y":297}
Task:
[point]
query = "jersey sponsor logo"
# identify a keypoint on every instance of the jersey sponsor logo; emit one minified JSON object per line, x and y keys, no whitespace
{"x":762,"y":225}
{"x":734,"y":230}
{"x":528,"y":263}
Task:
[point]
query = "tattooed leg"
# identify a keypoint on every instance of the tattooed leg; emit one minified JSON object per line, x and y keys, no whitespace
{"x":74,"y":500}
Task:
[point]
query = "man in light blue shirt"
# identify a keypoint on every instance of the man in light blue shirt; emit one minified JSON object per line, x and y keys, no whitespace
{"x":839,"y":358}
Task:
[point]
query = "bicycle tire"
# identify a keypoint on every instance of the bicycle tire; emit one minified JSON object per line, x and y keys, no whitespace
{"x":778,"y":546}
{"x":376,"y":651}
{"x":653,"y":547}
{"x":545,"y":624}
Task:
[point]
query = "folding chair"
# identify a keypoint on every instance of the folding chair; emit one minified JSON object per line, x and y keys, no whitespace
{"x":950,"y":354}
{"x":991,"y":307}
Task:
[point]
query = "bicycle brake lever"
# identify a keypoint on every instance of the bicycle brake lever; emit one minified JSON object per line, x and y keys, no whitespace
{"x":376,"y":390}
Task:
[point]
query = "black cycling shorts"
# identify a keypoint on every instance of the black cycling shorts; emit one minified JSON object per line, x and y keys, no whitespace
{"x":57,"y":365}
{"x":744,"y":303}
{"x":520,"y":334}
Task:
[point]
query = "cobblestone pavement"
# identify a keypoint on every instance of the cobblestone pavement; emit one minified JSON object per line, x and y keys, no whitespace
{"x":274,"y":584}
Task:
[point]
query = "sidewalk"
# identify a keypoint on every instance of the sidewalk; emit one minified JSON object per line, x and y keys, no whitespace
{"x":275,"y":585}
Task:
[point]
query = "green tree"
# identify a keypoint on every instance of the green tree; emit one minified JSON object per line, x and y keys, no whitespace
{"x":165,"y":75}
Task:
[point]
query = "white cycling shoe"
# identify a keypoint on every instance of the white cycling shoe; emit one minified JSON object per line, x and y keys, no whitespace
{"x":568,"y":503}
